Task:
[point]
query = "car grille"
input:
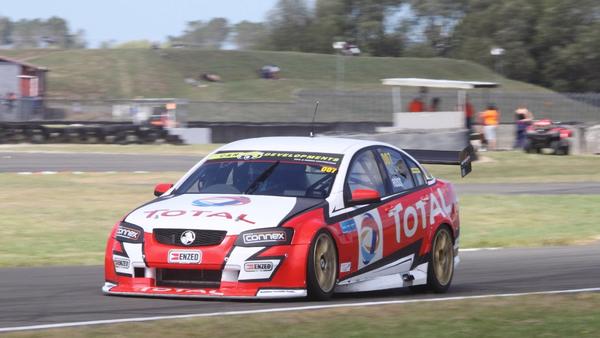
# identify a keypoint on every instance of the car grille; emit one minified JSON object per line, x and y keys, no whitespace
{"x":186,"y":278}
{"x":203,"y":237}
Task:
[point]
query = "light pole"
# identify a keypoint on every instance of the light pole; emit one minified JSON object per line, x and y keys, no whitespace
{"x":497,"y":53}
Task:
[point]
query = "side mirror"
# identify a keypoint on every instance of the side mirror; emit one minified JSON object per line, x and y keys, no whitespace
{"x":162,"y":188}
{"x":364,"y":196}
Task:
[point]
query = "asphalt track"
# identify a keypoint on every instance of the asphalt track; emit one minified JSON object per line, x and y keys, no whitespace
{"x":38,"y":296}
{"x":38,"y":162}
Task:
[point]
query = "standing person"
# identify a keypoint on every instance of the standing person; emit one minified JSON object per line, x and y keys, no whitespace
{"x":435,"y":104}
{"x":523,"y":119}
{"x":490,"y":118}
{"x":416,"y":105}
{"x":469,"y":111}
{"x":11,"y":98}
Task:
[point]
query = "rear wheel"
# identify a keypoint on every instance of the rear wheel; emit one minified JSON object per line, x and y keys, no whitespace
{"x":441,"y":264}
{"x":321,"y":266}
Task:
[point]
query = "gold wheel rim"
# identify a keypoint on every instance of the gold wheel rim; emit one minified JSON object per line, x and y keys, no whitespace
{"x":325,"y":262}
{"x":443,"y":257}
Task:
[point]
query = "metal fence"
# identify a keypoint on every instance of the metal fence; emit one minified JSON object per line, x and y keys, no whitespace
{"x":334,"y":106}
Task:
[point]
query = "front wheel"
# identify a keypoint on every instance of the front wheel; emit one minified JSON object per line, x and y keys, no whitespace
{"x":441,"y":264}
{"x":321,"y":266}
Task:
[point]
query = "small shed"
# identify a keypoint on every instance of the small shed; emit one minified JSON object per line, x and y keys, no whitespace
{"x":431,"y":120}
{"x":21,"y":78}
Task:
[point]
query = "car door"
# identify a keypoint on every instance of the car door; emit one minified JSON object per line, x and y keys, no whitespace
{"x":405,"y":208}
{"x":366,"y":225}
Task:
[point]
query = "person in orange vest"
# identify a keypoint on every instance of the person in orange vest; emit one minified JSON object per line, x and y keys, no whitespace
{"x":490,"y":118}
{"x":416,"y":105}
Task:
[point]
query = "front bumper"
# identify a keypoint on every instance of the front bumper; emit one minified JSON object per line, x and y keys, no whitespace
{"x":224,"y":271}
{"x":223,"y":293}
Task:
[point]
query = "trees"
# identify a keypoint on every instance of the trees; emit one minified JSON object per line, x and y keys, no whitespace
{"x":205,"y":35}
{"x":250,"y":35}
{"x":288,"y":26}
{"x":38,"y":33}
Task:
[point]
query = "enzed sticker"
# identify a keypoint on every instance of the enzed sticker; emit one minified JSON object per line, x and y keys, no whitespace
{"x":185,"y":256}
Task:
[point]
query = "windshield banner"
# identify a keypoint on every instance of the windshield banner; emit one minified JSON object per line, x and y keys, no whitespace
{"x":332,"y":160}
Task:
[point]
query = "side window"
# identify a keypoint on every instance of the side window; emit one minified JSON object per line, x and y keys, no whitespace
{"x":417,"y":172}
{"x":364,"y":174}
{"x":397,"y":170}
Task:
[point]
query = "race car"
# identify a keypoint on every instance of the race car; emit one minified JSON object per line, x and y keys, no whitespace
{"x":283,"y":217}
{"x":547,"y":134}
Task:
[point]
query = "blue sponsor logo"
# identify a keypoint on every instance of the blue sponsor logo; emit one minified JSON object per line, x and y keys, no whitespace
{"x":348,"y":226}
{"x":221,"y":201}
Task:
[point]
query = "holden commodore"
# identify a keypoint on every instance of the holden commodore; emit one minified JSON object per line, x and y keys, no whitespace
{"x":282,"y":217}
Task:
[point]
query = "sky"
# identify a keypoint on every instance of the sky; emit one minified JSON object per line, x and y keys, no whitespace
{"x":125,"y":20}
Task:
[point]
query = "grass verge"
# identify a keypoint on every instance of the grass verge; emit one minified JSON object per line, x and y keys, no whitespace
{"x":530,"y":316}
{"x":518,"y":167}
{"x":64,"y":219}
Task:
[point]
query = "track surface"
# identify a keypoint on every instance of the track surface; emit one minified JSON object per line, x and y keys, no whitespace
{"x":34,"y":296}
{"x":69,"y":162}
{"x":37,"y":162}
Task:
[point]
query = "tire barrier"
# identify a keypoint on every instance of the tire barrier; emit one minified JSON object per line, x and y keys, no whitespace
{"x":84,"y":132}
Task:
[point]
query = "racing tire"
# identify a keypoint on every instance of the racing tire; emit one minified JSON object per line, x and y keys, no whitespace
{"x":322,"y":267}
{"x":555,"y":145}
{"x":527,"y":147}
{"x":440,"y":269}
{"x":563,"y":147}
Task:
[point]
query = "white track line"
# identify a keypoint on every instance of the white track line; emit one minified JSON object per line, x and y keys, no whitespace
{"x":478,"y":249}
{"x":288,"y":309}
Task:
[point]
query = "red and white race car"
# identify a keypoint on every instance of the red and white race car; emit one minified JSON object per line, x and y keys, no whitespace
{"x":283,"y":217}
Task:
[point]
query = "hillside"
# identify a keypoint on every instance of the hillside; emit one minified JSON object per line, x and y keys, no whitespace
{"x":129,"y":73}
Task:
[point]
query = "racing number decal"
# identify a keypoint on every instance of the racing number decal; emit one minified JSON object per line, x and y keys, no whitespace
{"x":329,"y":170}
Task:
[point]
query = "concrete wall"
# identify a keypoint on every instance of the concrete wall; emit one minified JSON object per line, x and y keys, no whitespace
{"x":430,"y":120}
{"x":449,"y":139}
{"x":592,"y":139}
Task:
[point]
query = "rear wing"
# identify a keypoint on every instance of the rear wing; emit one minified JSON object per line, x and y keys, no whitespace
{"x":449,"y":157}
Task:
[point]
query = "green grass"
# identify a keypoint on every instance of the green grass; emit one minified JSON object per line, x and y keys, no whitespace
{"x":128,"y":73}
{"x":528,"y":220}
{"x":518,"y":167}
{"x":531,"y":316}
{"x":65,"y":219}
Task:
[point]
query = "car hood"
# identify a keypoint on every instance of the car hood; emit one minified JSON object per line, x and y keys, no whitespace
{"x":233,"y":213}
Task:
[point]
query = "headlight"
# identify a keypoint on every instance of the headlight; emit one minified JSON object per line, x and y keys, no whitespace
{"x":265,"y":237}
{"x":131,"y":233}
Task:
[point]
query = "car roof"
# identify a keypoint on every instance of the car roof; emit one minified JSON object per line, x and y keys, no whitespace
{"x":332,"y":145}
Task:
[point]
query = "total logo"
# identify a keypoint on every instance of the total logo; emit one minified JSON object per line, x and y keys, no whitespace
{"x":370,"y":238}
{"x":221,"y":201}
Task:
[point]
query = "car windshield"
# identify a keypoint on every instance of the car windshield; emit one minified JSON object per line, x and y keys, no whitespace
{"x":291,"y":174}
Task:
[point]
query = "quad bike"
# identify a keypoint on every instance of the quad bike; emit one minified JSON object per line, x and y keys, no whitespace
{"x":547,"y":134}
